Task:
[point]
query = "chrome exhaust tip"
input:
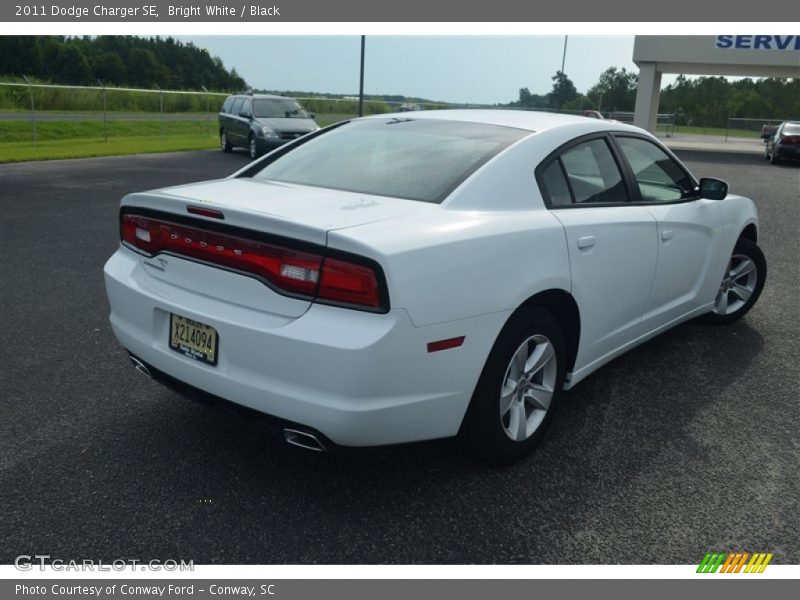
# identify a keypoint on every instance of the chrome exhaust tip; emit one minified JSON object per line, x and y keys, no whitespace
{"x":303,"y":439}
{"x":140,"y":366}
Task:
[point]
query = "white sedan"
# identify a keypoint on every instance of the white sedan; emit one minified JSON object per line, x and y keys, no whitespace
{"x":393,"y":278}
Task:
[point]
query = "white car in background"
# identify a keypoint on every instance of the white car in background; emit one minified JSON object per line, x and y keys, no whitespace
{"x":401,"y":278}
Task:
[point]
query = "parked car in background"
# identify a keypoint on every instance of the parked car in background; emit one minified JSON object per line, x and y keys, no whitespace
{"x":404,"y":277}
{"x":784,"y":144}
{"x":767,"y":131}
{"x":409,"y":107}
{"x":262,"y":122}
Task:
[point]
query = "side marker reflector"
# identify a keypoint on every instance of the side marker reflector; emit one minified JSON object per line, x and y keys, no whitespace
{"x":445,"y":344}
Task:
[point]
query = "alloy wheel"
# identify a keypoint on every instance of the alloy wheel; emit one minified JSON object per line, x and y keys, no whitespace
{"x":528,"y":387}
{"x":737,"y":286}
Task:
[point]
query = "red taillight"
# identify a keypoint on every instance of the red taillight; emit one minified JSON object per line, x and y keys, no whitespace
{"x":349,"y":283}
{"x":297,"y":272}
{"x":791,"y":140}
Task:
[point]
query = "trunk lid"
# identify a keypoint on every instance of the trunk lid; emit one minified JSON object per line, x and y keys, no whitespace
{"x":299,"y":213}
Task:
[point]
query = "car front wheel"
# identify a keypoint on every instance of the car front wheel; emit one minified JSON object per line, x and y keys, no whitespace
{"x":741,"y":284}
{"x":514,"y":399}
{"x":253,"y":146}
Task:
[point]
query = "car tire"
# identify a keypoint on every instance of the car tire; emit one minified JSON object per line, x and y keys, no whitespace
{"x":493,"y":428}
{"x":224,"y":144}
{"x":741,"y":285}
{"x":773,"y":158}
{"x":252,"y":147}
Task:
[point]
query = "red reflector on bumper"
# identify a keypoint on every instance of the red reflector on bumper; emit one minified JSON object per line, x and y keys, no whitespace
{"x":445,"y":344}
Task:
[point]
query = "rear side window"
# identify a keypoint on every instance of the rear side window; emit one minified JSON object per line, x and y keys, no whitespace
{"x":555,"y":185}
{"x":236,"y":106}
{"x":416,"y":159}
{"x":593,"y":174}
{"x":226,"y":108}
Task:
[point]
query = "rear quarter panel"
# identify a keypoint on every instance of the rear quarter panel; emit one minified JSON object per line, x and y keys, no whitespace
{"x":449,"y":265}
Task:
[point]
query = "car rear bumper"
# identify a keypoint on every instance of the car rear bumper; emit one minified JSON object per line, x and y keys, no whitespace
{"x":358,"y":378}
{"x":788,"y":152}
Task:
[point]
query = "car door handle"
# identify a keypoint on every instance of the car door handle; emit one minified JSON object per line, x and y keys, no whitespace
{"x":666,"y":235}
{"x":586,"y":241}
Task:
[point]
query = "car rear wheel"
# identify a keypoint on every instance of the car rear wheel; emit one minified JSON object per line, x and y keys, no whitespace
{"x":741,"y":285}
{"x":515,"y":396}
{"x":224,"y":144}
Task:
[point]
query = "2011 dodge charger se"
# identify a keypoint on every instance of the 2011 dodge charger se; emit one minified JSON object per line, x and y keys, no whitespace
{"x":393,"y":278}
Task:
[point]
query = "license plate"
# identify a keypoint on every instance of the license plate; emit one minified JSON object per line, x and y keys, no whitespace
{"x":196,"y":340}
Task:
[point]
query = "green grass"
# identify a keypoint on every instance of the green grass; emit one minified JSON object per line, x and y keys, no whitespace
{"x":22,"y":131}
{"x":77,"y":139}
{"x":96,"y":146}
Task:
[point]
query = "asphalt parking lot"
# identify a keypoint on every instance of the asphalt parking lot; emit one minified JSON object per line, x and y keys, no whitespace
{"x":686,"y":444}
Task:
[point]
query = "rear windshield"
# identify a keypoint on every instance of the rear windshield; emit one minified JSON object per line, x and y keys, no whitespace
{"x":792,"y":129}
{"x":278,"y":108}
{"x":422,"y":159}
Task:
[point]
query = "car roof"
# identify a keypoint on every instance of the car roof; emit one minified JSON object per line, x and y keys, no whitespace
{"x":521,"y":119}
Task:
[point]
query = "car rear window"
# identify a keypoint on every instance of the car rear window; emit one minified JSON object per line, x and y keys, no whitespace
{"x":416,"y":159}
{"x":791,"y":129}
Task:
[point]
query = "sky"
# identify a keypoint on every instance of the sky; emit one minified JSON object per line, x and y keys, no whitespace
{"x":463,"y":69}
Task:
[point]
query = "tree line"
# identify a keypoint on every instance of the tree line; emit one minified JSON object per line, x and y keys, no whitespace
{"x":703,"y":101}
{"x":126,"y":61}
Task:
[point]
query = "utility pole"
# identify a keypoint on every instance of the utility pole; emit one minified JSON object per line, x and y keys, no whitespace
{"x":361,"y":85}
{"x":564,"y":55}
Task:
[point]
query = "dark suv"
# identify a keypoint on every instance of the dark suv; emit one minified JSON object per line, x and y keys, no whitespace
{"x":260,"y":122}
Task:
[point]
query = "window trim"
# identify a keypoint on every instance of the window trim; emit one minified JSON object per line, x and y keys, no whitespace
{"x":632,"y":188}
{"x":555,"y":155}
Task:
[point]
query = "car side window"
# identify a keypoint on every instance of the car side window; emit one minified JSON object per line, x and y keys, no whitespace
{"x":226,"y":108}
{"x":659,"y":177}
{"x":555,"y":185}
{"x":593,"y":174}
{"x":236,"y":106}
{"x":245,"y":107}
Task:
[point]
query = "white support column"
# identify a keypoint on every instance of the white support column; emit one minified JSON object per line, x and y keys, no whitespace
{"x":647,"y":93}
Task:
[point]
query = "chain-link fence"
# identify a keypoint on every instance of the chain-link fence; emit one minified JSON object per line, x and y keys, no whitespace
{"x":751,"y":127}
{"x":40,"y":112}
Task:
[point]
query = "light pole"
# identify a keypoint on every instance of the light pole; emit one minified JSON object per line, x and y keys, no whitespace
{"x":361,"y":85}
{"x":564,"y":55}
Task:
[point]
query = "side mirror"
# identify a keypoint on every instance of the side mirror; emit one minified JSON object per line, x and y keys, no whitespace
{"x":312,"y":115}
{"x":713,"y":189}
{"x":244,"y":115}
